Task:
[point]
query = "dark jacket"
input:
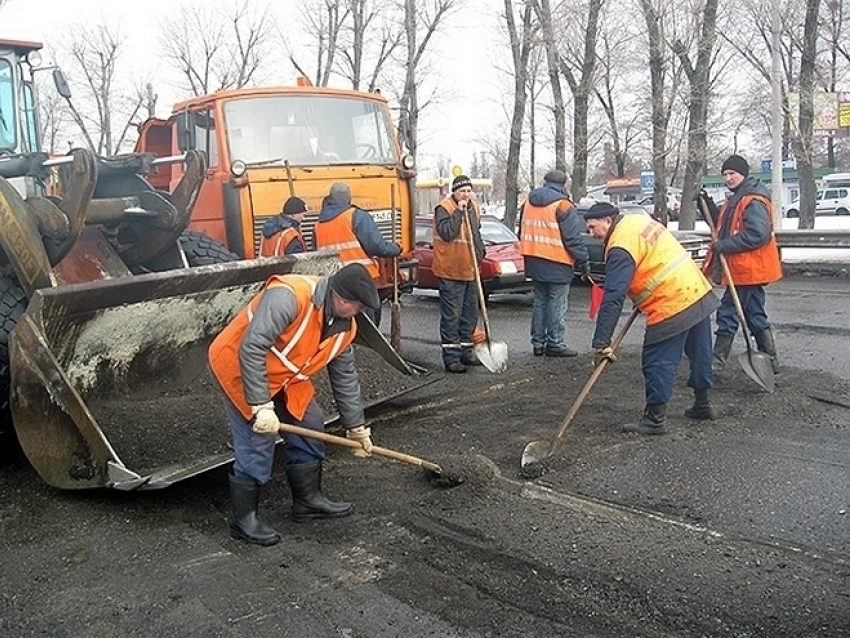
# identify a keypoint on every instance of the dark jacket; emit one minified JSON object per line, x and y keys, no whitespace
{"x":366,"y":230}
{"x":544,"y":270}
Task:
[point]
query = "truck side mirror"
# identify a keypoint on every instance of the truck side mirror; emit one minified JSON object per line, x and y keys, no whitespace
{"x":61,"y":84}
{"x":186,"y":131}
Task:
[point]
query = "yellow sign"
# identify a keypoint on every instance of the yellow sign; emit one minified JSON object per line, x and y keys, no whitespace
{"x":457,"y":170}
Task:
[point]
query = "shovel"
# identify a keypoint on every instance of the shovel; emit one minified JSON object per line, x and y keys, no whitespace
{"x":537,"y":451}
{"x":492,"y":354}
{"x":756,"y":364}
{"x":380,"y":451}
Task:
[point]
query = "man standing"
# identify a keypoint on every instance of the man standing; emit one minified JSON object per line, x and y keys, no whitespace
{"x":354,"y":234}
{"x":455,"y":268}
{"x":644,"y":261}
{"x":263,"y":360}
{"x":550,"y":241}
{"x":282,"y":233}
{"x":745,"y":236}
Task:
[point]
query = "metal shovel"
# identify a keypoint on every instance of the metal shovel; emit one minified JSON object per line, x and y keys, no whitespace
{"x":756,"y":364}
{"x":537,"y":451}
{"x":492,"y":354}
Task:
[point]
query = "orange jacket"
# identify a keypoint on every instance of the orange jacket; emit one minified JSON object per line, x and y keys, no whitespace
{"x":666,"y":279}
{"x":540,"y":235}
{"x":453,"y":259}
{"x":752,"y":267}
{"x":275,"y":245}
{"x":338,"y":234}
{"x":297,"y":355}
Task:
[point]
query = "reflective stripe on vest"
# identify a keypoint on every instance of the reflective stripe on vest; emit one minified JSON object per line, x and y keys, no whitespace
{"x":338,"y":234}
{"x":540,"y":234}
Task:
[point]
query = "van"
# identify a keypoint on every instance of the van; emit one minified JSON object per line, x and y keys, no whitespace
{"x":829,"y":201}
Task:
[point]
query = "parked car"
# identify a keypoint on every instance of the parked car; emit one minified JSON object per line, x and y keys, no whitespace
{"x":502,"y":269}
{"x":829,"y":201}
{"x":694,"y":243}
{"x":673,"y":206}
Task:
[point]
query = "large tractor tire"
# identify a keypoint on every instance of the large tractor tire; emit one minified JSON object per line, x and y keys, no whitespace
{"x":203,"y":250}
{"x":13,"y":303}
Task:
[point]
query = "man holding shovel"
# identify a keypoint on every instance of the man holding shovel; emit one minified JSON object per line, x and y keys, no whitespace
{"x":644,"y":261}
{"x":745,"y":237}
{"x":263,"y":360}
{"x":454,"y":267}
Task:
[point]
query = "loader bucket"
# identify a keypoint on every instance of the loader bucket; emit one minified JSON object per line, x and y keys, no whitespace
{"x":110,"y":383}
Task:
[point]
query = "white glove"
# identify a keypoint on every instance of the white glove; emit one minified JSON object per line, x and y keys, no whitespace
{"x":265,"y":419}
{"x":363,"y":436}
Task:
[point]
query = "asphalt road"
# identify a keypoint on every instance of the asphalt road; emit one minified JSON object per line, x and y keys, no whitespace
{"x":160,"y":564}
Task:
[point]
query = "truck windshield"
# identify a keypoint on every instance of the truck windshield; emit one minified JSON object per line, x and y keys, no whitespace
{"x":8,"y":126}
{"x":308,"y":131}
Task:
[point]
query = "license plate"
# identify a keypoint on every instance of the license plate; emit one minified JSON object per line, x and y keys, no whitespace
{"x":382,"y":215}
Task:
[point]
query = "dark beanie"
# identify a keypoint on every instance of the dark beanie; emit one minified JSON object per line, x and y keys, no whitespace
{"x":354,"y":283}
{"x":460,"y":181}
{"x":601,"y":209}
{"x":293,"y":206}
{"x":555,"y":177}
{"x":736,"y":163}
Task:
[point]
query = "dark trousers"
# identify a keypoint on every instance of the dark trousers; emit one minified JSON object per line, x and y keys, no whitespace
{"x":660,"y":361}
{"x":254,"y":453}
{"x":752,"y":301}
{"x":458,"y":317}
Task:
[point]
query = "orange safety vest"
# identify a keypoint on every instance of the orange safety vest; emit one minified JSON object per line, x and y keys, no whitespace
{"x":540,"y":235}
{"x":338,"y":234}
{"x":666,"y":279}
{"x":296,"y":356}
{"x":752,"y":267}
{"x":275,"y":245}
{"x":453,"y":259}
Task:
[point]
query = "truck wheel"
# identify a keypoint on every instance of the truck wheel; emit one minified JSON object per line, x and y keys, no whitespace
{"x":13,"y":302}
{"x":203,"y":250}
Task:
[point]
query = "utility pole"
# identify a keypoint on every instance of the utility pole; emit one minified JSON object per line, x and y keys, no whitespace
{"x":776,"y":117}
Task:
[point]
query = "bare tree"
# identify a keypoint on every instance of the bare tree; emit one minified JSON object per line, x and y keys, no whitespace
{"x":553,"y":62}
{"x":698,"y":73}
{"x":215,"y":48}
{"x":521,"y":42}
{"x":804,"y":138}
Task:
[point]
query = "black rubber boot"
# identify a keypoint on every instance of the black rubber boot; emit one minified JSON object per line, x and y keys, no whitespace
{"x":722,"y":348}
{"x":245,"y":494}
{"x":652,"y":422}
{"x":308,"y":502}
{"x":701,"y":410}
{"x":765,"y":343}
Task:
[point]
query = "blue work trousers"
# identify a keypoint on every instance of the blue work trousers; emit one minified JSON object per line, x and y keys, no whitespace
{"x":752,"y":301}
{"x":547,"y":314}
{"x":458,"y":317}
{"x":660,"y":361}
{"x":254,"y":453}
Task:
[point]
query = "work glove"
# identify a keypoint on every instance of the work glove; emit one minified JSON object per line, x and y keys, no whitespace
{"x":709,"y":204}
{"x":363,"y":436}
{"x":265,"y":419}
{"x":583,"y":270}
{"x":603,"y":354}
{"x":720,"y":248}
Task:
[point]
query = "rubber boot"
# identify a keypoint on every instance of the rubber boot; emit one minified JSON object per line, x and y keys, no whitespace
{"x":308,"y":502}
{"x":701,"y":410}
{"x":722,"y":348}
{"x":245,"y":494}
{"x":652,"y":422}
{"x":765,"y":343}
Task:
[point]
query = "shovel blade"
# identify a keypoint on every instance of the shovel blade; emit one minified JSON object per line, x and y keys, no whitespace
{"x":493,"y":355}
{"x":535,"y":452}
{"x":758,"y":367}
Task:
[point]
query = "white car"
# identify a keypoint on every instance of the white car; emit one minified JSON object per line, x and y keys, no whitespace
{"x":829,"y":201}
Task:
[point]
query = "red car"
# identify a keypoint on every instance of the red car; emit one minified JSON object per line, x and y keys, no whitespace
{"x":502,"y":269}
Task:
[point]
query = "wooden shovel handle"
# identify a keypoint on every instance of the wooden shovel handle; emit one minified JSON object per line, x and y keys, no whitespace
{"x":350,"y":443}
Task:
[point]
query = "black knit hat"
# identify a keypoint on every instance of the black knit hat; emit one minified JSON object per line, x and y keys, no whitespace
{"x":293,"y":206}
{"x":736,"y":163}
{"x":460,"y":181}
{"x":601,"y":209}
{"x":555,"y":177}
{"x":354,"y":283}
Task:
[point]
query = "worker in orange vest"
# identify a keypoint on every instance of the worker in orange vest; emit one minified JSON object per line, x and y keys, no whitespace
{"x":282,"y":233}
{"x":264,"y":360}
{"x":645,"y":262}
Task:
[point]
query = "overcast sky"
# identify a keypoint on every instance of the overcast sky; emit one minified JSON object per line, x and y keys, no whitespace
{"x":451,"y":129}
